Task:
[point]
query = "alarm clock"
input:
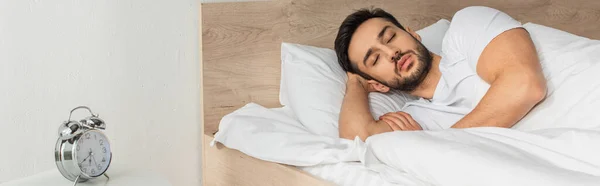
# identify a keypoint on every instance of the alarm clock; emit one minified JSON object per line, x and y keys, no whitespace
{"x":82,"y":150}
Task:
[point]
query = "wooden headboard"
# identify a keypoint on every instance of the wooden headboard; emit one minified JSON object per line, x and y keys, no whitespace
{"x":241,"y":41}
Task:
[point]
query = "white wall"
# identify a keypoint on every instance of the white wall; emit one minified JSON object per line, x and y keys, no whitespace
{"x":135,"y":62}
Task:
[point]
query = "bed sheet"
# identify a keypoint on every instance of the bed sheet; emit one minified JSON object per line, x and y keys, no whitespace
{"x":347,"y":174}
{"x":356,"y":174}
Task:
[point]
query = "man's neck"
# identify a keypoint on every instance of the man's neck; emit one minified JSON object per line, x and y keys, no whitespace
{"x":427,"y":87}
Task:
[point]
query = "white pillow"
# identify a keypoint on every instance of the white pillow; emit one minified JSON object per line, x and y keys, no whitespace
{"x":432,"y":35}
{"x":313,"y":84}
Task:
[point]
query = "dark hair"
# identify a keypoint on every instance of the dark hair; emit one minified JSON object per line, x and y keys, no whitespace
{"x":347,"y":29}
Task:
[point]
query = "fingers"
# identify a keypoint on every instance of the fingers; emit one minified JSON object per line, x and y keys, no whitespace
{"x":354,"y":78}
{"x":400,"y":121}
{"x":370,"y":87}
{"x":413,"y":123}
{"x":353,"y":75}
{"x":395,"y":122}
{"x":392,"y":125}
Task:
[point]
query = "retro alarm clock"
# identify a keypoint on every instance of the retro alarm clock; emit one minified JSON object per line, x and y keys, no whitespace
{"x":82,"y":150}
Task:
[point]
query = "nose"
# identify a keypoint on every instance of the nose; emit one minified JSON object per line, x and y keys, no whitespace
{"x":395,"y":57}
{"x":393,"y":54}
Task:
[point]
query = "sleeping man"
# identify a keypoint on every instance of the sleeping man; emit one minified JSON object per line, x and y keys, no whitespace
{"x":487,"y":75}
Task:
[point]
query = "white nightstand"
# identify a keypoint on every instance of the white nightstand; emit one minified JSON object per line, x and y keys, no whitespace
{"x":117,"y":177}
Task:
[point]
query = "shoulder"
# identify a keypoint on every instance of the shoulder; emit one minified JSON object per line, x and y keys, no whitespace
{"x":476,"y":19}
{"x":472,"y":28}
{"x":463,"y":25}
{"x":473,"y":13}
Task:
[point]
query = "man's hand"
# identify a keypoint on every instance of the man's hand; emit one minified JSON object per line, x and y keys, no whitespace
{"x":400,"y":121}
{"x":354,"y":78}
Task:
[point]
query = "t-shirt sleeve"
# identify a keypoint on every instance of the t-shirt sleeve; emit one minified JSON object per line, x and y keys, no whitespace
{"x":471,"y":30}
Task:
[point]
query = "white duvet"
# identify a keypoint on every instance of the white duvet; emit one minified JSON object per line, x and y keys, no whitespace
{"x":558,"y":143}
{"x":488,"y":156}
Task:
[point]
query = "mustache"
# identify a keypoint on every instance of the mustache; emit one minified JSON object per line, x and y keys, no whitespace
{"x":399,"y":55}
{"x":397,"y":58}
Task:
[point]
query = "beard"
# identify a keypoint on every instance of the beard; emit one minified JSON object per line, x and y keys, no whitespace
{"x":412,"y":81}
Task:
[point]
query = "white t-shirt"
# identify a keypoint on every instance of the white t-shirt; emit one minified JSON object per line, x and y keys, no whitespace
{"x":460,"y":87}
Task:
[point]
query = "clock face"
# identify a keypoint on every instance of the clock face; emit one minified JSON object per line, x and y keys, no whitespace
{"x":93,"y":153}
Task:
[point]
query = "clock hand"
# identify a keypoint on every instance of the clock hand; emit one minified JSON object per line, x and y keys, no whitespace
{"x":95,"y":163}
{"x":89,"y":154}
{"x":84,"y":159}
{"x":92,"y":155}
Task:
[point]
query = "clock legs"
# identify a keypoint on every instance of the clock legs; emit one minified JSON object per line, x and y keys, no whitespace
{"x":76,"y":180}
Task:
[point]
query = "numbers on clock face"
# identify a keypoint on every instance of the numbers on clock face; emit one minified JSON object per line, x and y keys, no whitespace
{"x":93,"y":153}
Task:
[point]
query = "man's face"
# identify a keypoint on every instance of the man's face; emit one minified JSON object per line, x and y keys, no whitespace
{"x":390,"y":55}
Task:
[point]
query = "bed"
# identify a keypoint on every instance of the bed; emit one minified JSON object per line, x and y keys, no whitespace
{"x":241,"y":59}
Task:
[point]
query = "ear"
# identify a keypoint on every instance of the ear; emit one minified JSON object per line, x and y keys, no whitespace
{"x":413,"y":33}
{"x":376,"y":86}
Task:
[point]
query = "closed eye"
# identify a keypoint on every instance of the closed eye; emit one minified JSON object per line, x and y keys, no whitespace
{"x":376,"y":58}
{"x":391,"y":38}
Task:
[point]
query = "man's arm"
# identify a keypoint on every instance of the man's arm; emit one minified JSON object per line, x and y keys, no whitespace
{"x":509,"y":63}
{"x":355,"y":117}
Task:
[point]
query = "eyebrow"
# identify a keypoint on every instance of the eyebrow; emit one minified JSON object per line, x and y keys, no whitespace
{"x":370,"y":49}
